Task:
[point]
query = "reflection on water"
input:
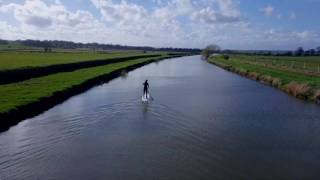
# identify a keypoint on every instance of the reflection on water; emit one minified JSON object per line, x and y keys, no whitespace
{"x":204,"y":123}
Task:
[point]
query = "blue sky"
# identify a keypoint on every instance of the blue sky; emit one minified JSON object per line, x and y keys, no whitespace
{"x":232,"y":24}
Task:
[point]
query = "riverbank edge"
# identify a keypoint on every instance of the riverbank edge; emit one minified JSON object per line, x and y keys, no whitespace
{"x":21,"y":113}
{"x":274,"y":82}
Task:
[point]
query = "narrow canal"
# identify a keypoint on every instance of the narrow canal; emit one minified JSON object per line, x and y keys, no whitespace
{"x":204,"y":123}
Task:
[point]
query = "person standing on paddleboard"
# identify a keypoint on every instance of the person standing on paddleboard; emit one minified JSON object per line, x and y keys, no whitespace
{"x":145,"y":88}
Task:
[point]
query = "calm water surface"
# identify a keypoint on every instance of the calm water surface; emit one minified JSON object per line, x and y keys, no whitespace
{"x":204,"y":123}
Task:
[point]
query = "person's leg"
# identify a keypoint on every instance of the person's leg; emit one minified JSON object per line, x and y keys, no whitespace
{"x":145,"y":92}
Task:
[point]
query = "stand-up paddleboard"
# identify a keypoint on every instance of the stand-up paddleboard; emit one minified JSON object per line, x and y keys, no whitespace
{"x":146,"y":98}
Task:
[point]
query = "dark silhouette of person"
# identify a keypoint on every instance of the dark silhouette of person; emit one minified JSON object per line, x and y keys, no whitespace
{"x":145,"y":88}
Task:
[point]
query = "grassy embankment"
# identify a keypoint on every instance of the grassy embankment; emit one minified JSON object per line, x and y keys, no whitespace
{"x":23,"y":60}
{"x":298,"y":76}
{"x":27,"y":98}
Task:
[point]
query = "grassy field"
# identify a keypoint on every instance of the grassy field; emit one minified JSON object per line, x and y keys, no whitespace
{"x":309,"y":64}
{"x":16,"y":60}
{"x":26,"y":92}
{"x":276,"y":72}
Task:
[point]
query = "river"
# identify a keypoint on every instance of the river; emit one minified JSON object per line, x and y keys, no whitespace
{"x":204,"y":123}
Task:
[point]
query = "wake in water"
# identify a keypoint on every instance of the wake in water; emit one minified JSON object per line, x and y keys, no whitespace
{"x":146,"y":97}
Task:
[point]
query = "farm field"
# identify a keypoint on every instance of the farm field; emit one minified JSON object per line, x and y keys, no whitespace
{"x":305,"y":64}
{"x":296,"y":75}
{"x":21,"y":60}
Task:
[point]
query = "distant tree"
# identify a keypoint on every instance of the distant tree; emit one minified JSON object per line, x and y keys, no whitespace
{"x":214,"y":48}
{"x":47,"y":49}
{"x":268,"y":53}
{"x":73,"y":45}
{"x":312,"y":52}
{"x":318,"y":50}
{"x":288,"y":53}
{"x":227,"y":51}
{"x":307,"y":53}
{"x":299,"y":51}
{"x":3,"y":41}
{"x":209,"y":50}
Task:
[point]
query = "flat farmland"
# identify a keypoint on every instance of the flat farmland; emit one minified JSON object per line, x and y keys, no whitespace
{"x":20,"y":60}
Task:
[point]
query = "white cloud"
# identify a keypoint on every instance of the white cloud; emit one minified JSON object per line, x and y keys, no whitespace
{"x":39,"y":20}
{"x":284,"y":39}
{"x":268,"y":10}
{"x":207,"y":15}
{"x":304,"y":35}
{"x":5,"y":8}
{"x":171,"y":11}
{"x":36,"y":13}
{"x":122,"y":12}
{"x":176,"y":23}
{"x":121,"y":22}
{"x":292,"y":16}
{"x":162,"y":26}
{"x":9,"y":32}
{"x":224,"y":11}
{"x":279,"y":16}
{"x":229,"y":8}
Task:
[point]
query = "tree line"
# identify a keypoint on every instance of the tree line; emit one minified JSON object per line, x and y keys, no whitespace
{"x":3,"y":42}
{"x":212,"y":49}
{"x":301,"y":52}
{"x":298,"y":52}
{"x":48,"y":45}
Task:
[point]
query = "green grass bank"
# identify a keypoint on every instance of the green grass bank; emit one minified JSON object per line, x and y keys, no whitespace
{"x":23,"y":60}
{"x":277,"y":72}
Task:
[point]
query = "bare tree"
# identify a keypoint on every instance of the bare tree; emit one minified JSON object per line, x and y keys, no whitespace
{"x":210,"y":49}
